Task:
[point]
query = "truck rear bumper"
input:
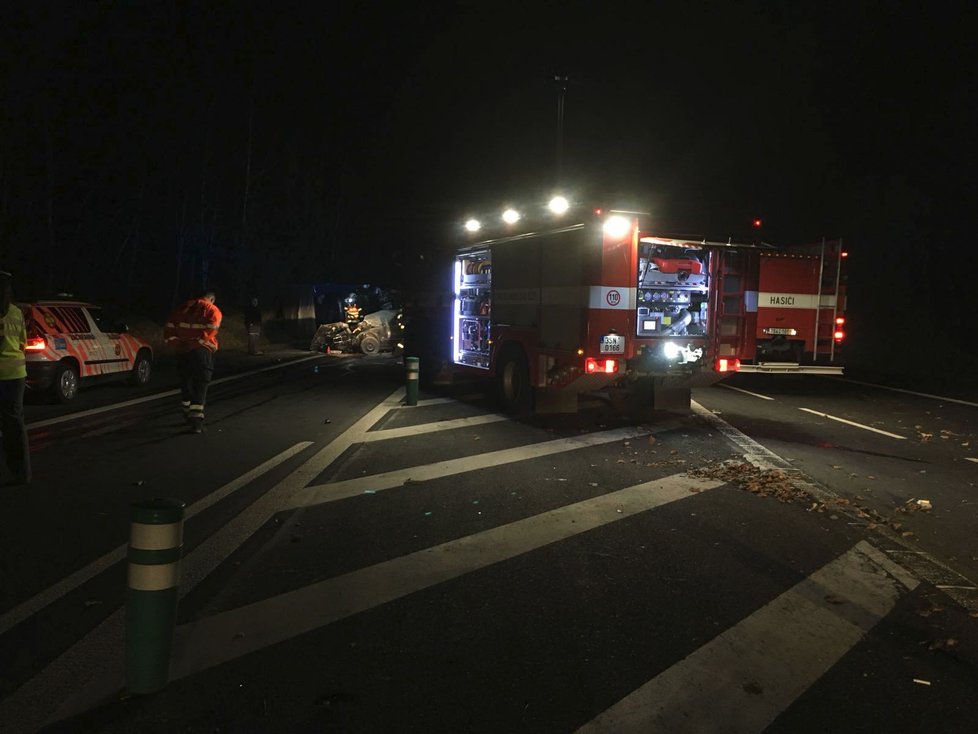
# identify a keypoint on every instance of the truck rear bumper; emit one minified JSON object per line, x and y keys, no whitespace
{"x":792,"y":368}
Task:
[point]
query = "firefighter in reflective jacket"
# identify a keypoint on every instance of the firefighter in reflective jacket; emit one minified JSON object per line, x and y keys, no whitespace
{"x":191,"y":331}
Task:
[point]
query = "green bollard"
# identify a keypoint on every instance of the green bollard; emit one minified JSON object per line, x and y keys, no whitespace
{"x":413,"y":366}
{"x":155,"y":545}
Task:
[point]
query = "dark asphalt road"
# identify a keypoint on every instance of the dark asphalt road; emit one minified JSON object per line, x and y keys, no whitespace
{"x":436,"y":569}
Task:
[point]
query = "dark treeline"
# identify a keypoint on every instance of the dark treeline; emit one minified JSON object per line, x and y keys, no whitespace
{"x":149,"y":149}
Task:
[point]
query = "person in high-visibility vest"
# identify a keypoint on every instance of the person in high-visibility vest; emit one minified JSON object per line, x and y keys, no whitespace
{"x":191,"y":331}
{"x":13,"y":377}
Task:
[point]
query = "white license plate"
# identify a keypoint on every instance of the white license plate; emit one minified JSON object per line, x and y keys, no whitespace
{"x":788,"y":332}
{"x":612,"y":344}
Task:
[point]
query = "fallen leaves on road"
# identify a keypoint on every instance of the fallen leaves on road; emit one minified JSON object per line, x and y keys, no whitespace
{"x":781,"y":485}
{"x":763,"y":482}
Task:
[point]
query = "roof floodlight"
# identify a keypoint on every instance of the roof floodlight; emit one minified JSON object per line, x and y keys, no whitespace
{"x":559,"y":205}
{"x":617,"y":226}
{"x":511,"y":216}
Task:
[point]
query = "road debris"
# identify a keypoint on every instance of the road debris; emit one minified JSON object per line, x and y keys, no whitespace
{"x":913,"y":504}
{"x":781,"y":485}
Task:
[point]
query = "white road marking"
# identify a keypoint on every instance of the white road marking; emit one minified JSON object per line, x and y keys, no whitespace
{"x":753,"y":671}
{"x":423,"y":428}
{"x":971,"y":458}
{"x":156,"y":396}
{"x":51,"y":594}
{"x":208,"y":642}
{"x":330,"y":492}
{"x":429,"y":401}
{"x":910,"y":392}
{"x":851,"y":423}
{"x":92,"y":669}
{"x":746,"y":392}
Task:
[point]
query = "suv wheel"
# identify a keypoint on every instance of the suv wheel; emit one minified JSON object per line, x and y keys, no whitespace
{"x":141,"y":370}
{"x":65,"y":386}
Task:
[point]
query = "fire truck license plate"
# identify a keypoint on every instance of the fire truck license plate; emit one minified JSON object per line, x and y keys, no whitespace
{"x":789,"y":332}
{"x":612,"y":344}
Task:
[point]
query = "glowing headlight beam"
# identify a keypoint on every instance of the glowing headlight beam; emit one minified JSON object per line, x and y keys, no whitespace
{"x":473,"y":225}
{"x":559,"y":205}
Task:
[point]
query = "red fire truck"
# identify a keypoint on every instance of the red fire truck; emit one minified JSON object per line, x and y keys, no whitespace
{"x":600,"y":303}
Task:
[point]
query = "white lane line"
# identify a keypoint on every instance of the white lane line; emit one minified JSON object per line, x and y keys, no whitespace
{"x":910,"y":392}
{"x":330,"y":492}
{"x":851,"y":423}
{"x":202,"y":644}
{"x":71,"y":582}
{"x":429,"y":401}
{"x":92,"y":670}
{"x":746,"y":392}
{"x":779,"y":651}
{"x":423,"y":428}
{"x":156,"y":396}
{"x":970,"y":458}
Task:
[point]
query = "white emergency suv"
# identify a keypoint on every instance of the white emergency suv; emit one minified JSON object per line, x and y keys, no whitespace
{"x":70,"y":343}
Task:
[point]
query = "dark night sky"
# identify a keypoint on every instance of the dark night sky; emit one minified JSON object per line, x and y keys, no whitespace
{"x":374,"y":128}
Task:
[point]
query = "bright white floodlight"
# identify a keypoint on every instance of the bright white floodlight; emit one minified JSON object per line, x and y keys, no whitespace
{"x":617,"y":226}
{"x":511,"y":216}
{"x":671,"y":350}
{"x":472,"y":225}
{"x":559,"y":205}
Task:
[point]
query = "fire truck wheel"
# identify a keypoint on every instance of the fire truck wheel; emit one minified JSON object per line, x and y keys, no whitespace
{"x":369,"y":344}
{"x":65,"y":385}
{"x":141,"y":369}
{"x":515,"y":392}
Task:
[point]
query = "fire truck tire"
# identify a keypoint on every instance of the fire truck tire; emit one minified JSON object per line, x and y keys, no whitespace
{"x":515,"y":391}
{"x":142,"y":368}
{"x":65,"y":385}
{"x":369,"y":344}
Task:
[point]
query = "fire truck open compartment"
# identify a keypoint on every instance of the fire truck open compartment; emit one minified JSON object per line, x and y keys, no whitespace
{"x":672,"y":290}
{"x":473,"y":308}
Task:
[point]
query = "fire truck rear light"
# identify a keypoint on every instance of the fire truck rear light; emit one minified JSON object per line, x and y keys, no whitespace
{"x":840,"y":320}
{"x":608,"y":366}
{"x":844,"y":254}
{"x":35,"y":344}
{"x":723,"y":364}
{"x":839,"y":335}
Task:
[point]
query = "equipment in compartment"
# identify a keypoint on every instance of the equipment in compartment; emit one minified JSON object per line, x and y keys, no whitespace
{"x":473,"y":303}
{"x":667,"y":265}
{"x":672,"y":291}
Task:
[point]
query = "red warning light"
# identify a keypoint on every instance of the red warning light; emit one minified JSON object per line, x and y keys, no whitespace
{"x":757,"y":223}
{"x":723,"y":364}
{"x":608,"y":366}
{"x":844,"y":254}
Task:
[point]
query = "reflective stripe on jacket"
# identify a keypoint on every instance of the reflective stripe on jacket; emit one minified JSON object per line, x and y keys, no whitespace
{"x":193,"y":324}
{"x":13,"y":338}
